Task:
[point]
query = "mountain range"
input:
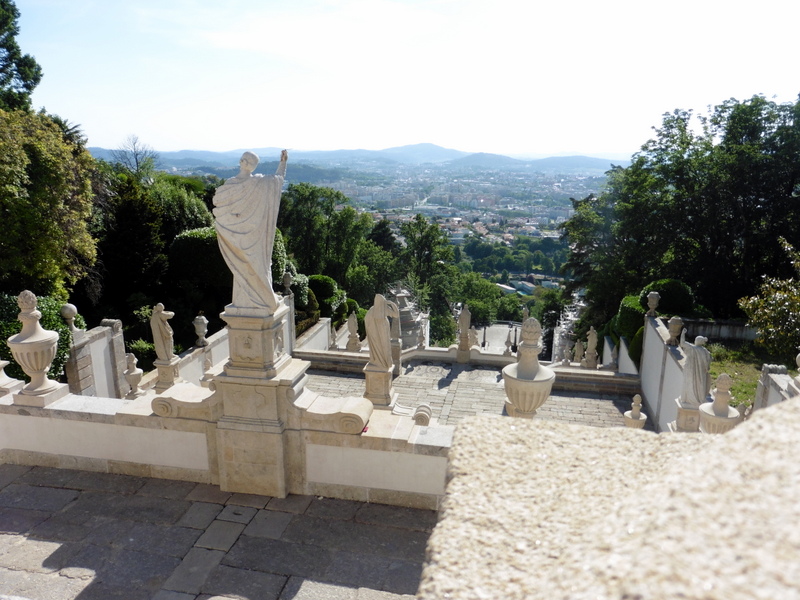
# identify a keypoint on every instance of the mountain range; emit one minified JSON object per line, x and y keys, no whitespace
{"x":416,"y":155}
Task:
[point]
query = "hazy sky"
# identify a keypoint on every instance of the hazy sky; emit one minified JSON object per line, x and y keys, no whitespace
{"x":504,"y":76}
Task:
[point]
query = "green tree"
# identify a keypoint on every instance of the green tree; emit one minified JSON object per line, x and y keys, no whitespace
{"x":19,"y":73}
{"x":372,"y":270}
{"x":704,"y":201}
{"x":775,"y":310}
{"x":426,"y":247}
{"x":46,"y":201}
{"x":137,"y":157}
{"x":383,"y":237}
{"x":304,"y":218}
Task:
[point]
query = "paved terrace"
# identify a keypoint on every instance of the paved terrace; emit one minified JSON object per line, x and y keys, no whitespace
{"x":457,"y":391}
{"x":77,"y":535}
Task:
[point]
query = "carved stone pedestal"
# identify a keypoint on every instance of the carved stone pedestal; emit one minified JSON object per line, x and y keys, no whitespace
{"x":168,"y":373}
{"x":257,"y":345}
{"x":688,"y":418}
{"x":379,"y":388}
{"x":250,"y":441}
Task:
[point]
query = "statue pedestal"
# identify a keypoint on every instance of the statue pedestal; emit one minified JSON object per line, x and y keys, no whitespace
{"x":688,"y":417}
{"x":257,"y":344}
{"x":167,"y":373}
{"x":379,"y":389}
{"x":251,"y":445}
{"x":710,"y":422}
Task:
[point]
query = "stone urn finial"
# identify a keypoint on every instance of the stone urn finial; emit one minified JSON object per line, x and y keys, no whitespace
{"x":634,"y":417}
{"x":133,"y":375}
{"x":527,"y":383}
{"x":287,"y":283}
{"x":33,"y":348}
{"x":675,"y":326}
{"x":719,"y":416}
{"x":200,"y":330}
{"x":652,"y":303}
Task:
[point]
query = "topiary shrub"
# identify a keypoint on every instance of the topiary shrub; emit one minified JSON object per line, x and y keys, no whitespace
{"x":635,"y":347}
{"x":630,"y":317}
{"x":327,"y":292}
{"x":51,"y":320}
{"x":676,"y":297}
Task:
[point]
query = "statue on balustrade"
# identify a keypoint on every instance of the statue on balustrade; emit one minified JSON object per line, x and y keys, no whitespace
{"x":246,"y":214}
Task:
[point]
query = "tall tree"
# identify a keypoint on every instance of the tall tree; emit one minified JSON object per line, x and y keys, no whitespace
{"x":426,"y":246}
{"x":704,"y":202}
{"x":136,"y":156}
{"x":19,"y":73}
{"x":45,"y":200}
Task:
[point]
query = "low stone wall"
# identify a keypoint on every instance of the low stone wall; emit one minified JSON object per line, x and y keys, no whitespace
{"x":392,"y":461}
{"x":661,"y":374}
{"x":719,"y":330}
{"x":543,"y":510}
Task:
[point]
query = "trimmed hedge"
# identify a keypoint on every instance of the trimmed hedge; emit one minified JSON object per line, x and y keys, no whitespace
{"x":676,"y":297}
{"x":636,"y":346}
{"x":630,"y":317}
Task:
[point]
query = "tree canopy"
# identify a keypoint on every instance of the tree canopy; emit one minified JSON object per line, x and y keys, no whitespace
{"x":46,"y":202}
{"x":19,"y":73}
{"x":705,"y":201}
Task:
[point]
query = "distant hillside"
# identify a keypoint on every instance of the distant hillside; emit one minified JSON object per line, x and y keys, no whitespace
{"x":484,"y":160}
{"x":416,"y":154}
{"x":574,"y":164}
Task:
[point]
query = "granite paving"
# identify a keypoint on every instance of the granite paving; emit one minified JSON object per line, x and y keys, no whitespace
{"x":455,"y":391}
{"x":73,"y":535}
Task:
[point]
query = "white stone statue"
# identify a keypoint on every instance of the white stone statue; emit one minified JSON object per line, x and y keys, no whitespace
{"x":162,"y":332}
{"x":591,"y":344}
{"x":578,"y":352}
{"x":376,"y":323}
{"x":464,"y":319}
{"x":696,"y":381}
{"x":246,"y":213}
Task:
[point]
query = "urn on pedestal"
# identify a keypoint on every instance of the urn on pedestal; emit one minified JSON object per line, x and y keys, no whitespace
{"x":33,"y":348}
{"x":527,"y":383}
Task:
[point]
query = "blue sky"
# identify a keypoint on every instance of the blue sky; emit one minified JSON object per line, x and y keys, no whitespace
{"x":519,"y":77}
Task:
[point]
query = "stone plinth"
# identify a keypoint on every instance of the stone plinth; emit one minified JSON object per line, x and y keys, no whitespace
{"x":257,"y":347}
{"x":379,"y":388}
{"x":168,"y":373}
{"x":250,"y":440}
{"x":618,"y":513}
{"x":688,"y":418}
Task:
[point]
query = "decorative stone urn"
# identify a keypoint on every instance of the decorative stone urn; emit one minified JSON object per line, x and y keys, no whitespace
{"x":527,"y":383}
{"x":33,"y":348}
{"x":634,"y":417}
{"x":719,"y":416}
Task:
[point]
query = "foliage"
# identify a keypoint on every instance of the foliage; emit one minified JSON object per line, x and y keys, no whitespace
{"x":426,"y":246}
{"x":630,"y":317}
{"x":45,"y":200}
{"x":51,"y":320}
{"x":327,"y":293}
{"x":742,"y":361}
{"x":145,"y":353}
{"x":136,"y":157}
{"x":775,"y":310}
{"x":442,"y":330}
{"x":180,"y":209}
{"x":704,"y":201}
{"x":382,"y":236}
{"x":676,"y":297}
{"x":19,"y":73}
{"x":636,"y":347}
{"x":279,"y":260}
{"x":372,"y":270}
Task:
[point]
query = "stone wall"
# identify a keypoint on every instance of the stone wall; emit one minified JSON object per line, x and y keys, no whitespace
{"x":543,"y":510}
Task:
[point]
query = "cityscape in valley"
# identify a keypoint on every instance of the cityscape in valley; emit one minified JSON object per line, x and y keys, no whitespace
{"x":494,"y":196}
